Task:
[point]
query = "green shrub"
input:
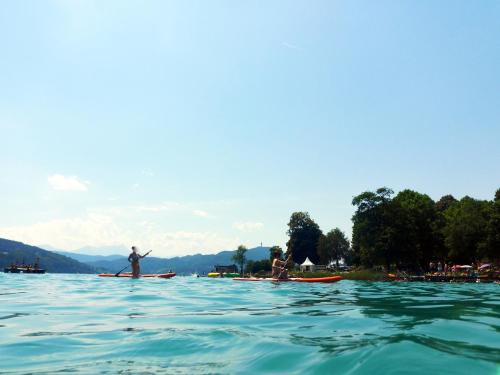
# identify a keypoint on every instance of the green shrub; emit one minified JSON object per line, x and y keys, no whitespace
{"x":361,"y":274}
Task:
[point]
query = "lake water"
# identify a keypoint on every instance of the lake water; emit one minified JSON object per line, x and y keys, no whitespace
{"x":85,"y":324}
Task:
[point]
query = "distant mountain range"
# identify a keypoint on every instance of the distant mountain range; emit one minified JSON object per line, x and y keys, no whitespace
{"x":18,"y":252}
{"x":68,"y":262}
{"x":181,"y":265}
{"x":90,"y":250}
{"x":87,"y":258}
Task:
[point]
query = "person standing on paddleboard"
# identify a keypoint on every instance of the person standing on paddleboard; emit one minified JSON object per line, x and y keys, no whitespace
{"x":133,"y":258}
{"x":278,"y":267}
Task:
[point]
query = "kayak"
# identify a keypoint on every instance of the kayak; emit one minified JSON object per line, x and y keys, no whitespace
{"x":329,"y":279}
{"x":129,"y":274}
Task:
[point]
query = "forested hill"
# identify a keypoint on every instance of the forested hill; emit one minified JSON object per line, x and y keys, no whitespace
{"x":17,"y":252}
{"x":182,"y":265}
{"x":86,"y":258}
{"x":205,"y":263}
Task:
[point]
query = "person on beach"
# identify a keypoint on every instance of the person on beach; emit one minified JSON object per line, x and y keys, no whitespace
{"x":133,"y":258}
{"x":278,"y":267}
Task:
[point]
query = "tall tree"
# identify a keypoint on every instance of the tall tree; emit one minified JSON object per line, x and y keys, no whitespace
{"x":466,"y":229}
{"x":375,"y":230}
{"x":273,"y":250}
{"x":322,"y":250}
{"x":333,"y":246}
{"x":417,"y":215}
{"x":442,"y":205}
{"x":351,"y":258}
{"x":240,"y":258}
{"x":304,"y":235}
{"x":445,"y":202}
{"x":491,"y":250}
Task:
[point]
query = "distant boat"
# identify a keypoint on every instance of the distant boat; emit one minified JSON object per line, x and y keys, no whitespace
{"x":19,"y":269}
{"x":25,"y":268}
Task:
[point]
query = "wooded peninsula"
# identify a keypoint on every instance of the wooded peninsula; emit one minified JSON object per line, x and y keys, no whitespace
{"x":408,"y":231}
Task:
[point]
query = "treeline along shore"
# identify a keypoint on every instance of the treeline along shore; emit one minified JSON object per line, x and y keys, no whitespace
{"x":408,"y":231}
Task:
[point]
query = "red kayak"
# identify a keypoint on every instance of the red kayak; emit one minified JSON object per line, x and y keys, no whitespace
{"x":329,"y":279}
{"x":129,"y":274}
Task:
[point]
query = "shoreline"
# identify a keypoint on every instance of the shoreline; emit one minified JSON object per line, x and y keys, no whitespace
{"x":372,"y":275}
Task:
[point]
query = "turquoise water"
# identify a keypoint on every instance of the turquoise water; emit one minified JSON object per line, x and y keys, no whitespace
{"x":85,"y":324}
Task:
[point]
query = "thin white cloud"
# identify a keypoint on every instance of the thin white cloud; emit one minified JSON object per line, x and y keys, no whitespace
{"x":248,"y":226}
{"x":201,"y":213}
{"x":291,"y":46}
{"x":166,"y":206}
{"x":172,"y":207}
{"x":68,"y":183}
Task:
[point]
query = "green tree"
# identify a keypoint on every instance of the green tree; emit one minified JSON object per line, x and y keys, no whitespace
{"x":273,"y":250}
{"x":240,"y":258}
{"x":445,"y":202}
{"x":417,"y":214}
{"x":375,"y":233}
{"x":322,"y":250}
{"x":304,"y":235}
{"x":351,"y":258}
{"x":440,"y":249}
{"x":333,"y":246}
{"x":250,"y":265}
{"x":491,"y":251}
{"x":465,"y":231}
{"x":259,"y":265}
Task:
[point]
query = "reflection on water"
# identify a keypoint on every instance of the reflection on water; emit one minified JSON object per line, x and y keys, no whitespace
{"x":82,"y":324}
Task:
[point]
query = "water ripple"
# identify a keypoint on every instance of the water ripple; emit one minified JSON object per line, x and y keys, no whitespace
{"x":82,"y":324}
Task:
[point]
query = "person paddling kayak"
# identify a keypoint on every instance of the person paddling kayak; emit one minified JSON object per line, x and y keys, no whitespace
{"x":278,"y":267}
{"x":134,"y":258}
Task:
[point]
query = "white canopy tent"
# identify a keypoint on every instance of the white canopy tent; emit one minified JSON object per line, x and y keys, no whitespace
{"x":307,"y":266}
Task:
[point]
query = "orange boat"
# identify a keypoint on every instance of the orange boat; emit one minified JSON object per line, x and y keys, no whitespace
{"x":129,"y":274}
{"x":329,"y":279}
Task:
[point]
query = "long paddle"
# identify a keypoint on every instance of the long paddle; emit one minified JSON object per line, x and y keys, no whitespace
{"x":124,"y":268}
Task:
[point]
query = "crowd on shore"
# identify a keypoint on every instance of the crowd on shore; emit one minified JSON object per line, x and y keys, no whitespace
{"x":475,"y":269}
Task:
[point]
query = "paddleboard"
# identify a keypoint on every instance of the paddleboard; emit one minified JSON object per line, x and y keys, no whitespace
{"x":129,"y":274}
{"x":329,"y":279}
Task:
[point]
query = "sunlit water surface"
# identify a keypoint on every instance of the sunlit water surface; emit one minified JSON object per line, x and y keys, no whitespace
{"x":85,"y":324}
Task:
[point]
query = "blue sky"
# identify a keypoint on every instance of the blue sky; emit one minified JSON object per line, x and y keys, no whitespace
{"x":196,"y":126}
